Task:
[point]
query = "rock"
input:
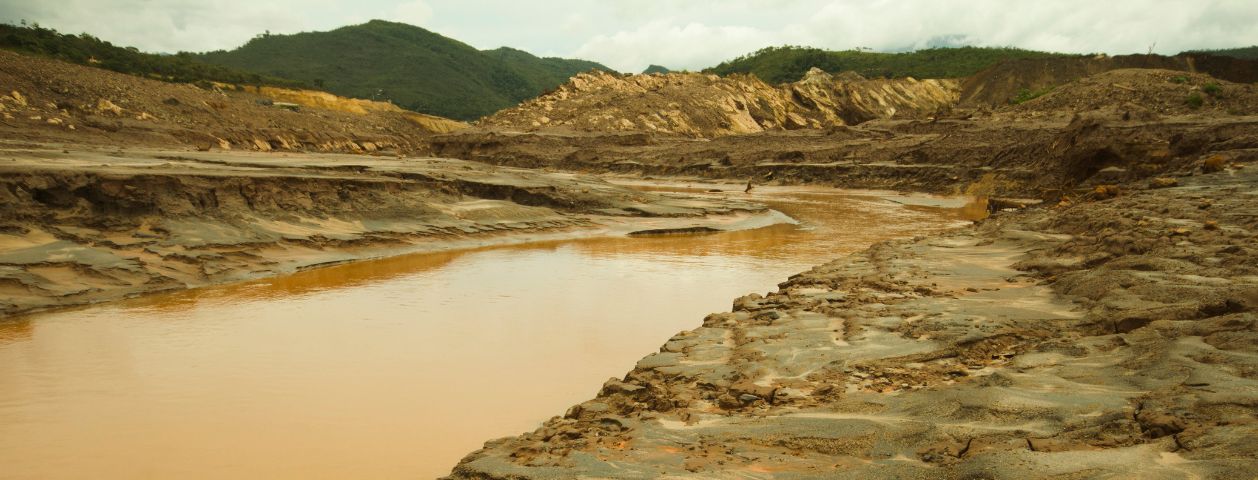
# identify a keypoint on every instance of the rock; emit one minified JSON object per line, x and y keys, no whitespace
{"x":1213,"y":164}
{"x":1106,"y":191}
{"x":55,"y":121}
{"x":1211,"y":225}
{"x":104,"y":106}
{"x":18,"y":98}
{"x":614,"y":386}
{"x":1163,"y":182}
{"x":728,"y":402}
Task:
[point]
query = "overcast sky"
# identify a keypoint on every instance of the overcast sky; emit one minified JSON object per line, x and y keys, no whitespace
{"x":627,"y":35}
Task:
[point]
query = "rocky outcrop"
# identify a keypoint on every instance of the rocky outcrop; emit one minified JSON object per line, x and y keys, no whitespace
{"x":707,"y":106}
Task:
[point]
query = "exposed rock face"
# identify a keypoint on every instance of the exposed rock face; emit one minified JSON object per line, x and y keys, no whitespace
{"x":707,"y":106}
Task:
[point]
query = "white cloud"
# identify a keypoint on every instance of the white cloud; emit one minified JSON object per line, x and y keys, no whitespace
{"x":414,"y":12}
{"x":630,"y":34}
{"x":669,"y":43}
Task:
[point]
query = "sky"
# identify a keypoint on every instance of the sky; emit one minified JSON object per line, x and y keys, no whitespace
{"x":629,"y":35}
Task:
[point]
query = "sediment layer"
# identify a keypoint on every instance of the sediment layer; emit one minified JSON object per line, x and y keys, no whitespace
{"x":92,"y":225}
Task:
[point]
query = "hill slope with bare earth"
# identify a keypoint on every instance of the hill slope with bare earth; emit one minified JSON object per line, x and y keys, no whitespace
{"x":1001,"y":83}
{"x":707,"y":106}
{"x":48,"y":100}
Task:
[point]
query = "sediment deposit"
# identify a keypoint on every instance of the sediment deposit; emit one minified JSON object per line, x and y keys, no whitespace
{"x":1110,"y":338}
{"x":91,"y":225}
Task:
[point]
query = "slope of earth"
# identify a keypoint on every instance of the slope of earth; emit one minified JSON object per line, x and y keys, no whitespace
{"x":1016,"y":152}
{"x":707,"y":106}
{"x":1004,"y":82}
{"x":1114,"y":338}
{"x":1161,"y":92}
{"x":413,"y":67}
{"x":82,"y":225}
{"x":49,"y":100}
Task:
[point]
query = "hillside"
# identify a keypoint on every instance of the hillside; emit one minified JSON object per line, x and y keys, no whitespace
{"x":88,"y":50}
{"x":415,"y":68}
{"x":52,"y":101}
{"x":1022,"y":79}
{"x":789,"y":63}
{"x":707,"y":106}
{"x":1247,"y":53}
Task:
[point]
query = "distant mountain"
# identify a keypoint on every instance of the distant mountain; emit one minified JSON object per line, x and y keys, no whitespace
{"x":656,"y":69}
{"x":1247,"y":53}
{"x":415,"y":68}
{"x":789,"y":63}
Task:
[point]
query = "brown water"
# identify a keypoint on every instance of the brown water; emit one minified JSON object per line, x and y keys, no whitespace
{"x":385,"y":369}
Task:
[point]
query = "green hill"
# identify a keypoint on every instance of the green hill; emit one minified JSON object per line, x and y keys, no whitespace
{"x":656,"y":69}
{"x":413,"y":67}
{"x":87,"y":50}
{"x":790,"y":63}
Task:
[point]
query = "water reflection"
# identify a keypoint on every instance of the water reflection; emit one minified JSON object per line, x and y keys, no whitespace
{"x":384,"y":369}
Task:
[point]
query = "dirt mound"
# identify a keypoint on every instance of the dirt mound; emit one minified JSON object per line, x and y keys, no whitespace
{"x":1165,"y":92}
{"x":707,"y":106}
{"x":48,"y":100}
{"x":1002,"y":83}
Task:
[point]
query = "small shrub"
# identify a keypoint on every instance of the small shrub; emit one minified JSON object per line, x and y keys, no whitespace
{"x":1179,"y":79}
{"x":1026,"y":95}
{"x":1195,"y":100}
{"x":1212,"y":89}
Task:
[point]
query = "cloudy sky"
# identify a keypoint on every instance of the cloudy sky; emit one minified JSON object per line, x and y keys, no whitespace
{"x":630,"y":34}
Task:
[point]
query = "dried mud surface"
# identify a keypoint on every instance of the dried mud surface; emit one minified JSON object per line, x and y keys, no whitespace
{"x":82,"y":225}
{"x":1105,"y":338}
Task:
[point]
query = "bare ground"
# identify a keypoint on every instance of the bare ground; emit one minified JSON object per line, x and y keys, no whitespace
{"x":1108,"y":338}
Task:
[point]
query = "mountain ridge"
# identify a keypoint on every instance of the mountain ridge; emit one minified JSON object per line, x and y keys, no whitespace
{"x":416,"y":68}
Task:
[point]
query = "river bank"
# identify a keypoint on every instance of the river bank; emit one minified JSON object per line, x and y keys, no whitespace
{"x":1110,"y":337}
{"x":393,"y":367}
{"x":82,"y":224}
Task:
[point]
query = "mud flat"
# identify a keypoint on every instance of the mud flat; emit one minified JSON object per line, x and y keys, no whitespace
{"x":83,"y":225}
{"x":1106,"y":338}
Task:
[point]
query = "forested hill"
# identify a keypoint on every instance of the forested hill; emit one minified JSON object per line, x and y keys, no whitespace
{"x":85,"y":49}
{"x":415,"y":68}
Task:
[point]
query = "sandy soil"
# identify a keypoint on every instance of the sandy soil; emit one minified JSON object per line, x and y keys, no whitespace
{"x":82,"y":225}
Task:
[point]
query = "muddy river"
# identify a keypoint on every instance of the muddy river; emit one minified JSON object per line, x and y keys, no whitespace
{"x":392,"y":368}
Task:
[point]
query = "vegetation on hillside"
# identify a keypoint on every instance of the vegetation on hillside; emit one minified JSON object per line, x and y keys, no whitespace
{"x":790,"y":63}
{"x":1247,"y":53}
{"x":656,"y":69}
{"x":85,"y":49}
{"x":411,"y":66}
